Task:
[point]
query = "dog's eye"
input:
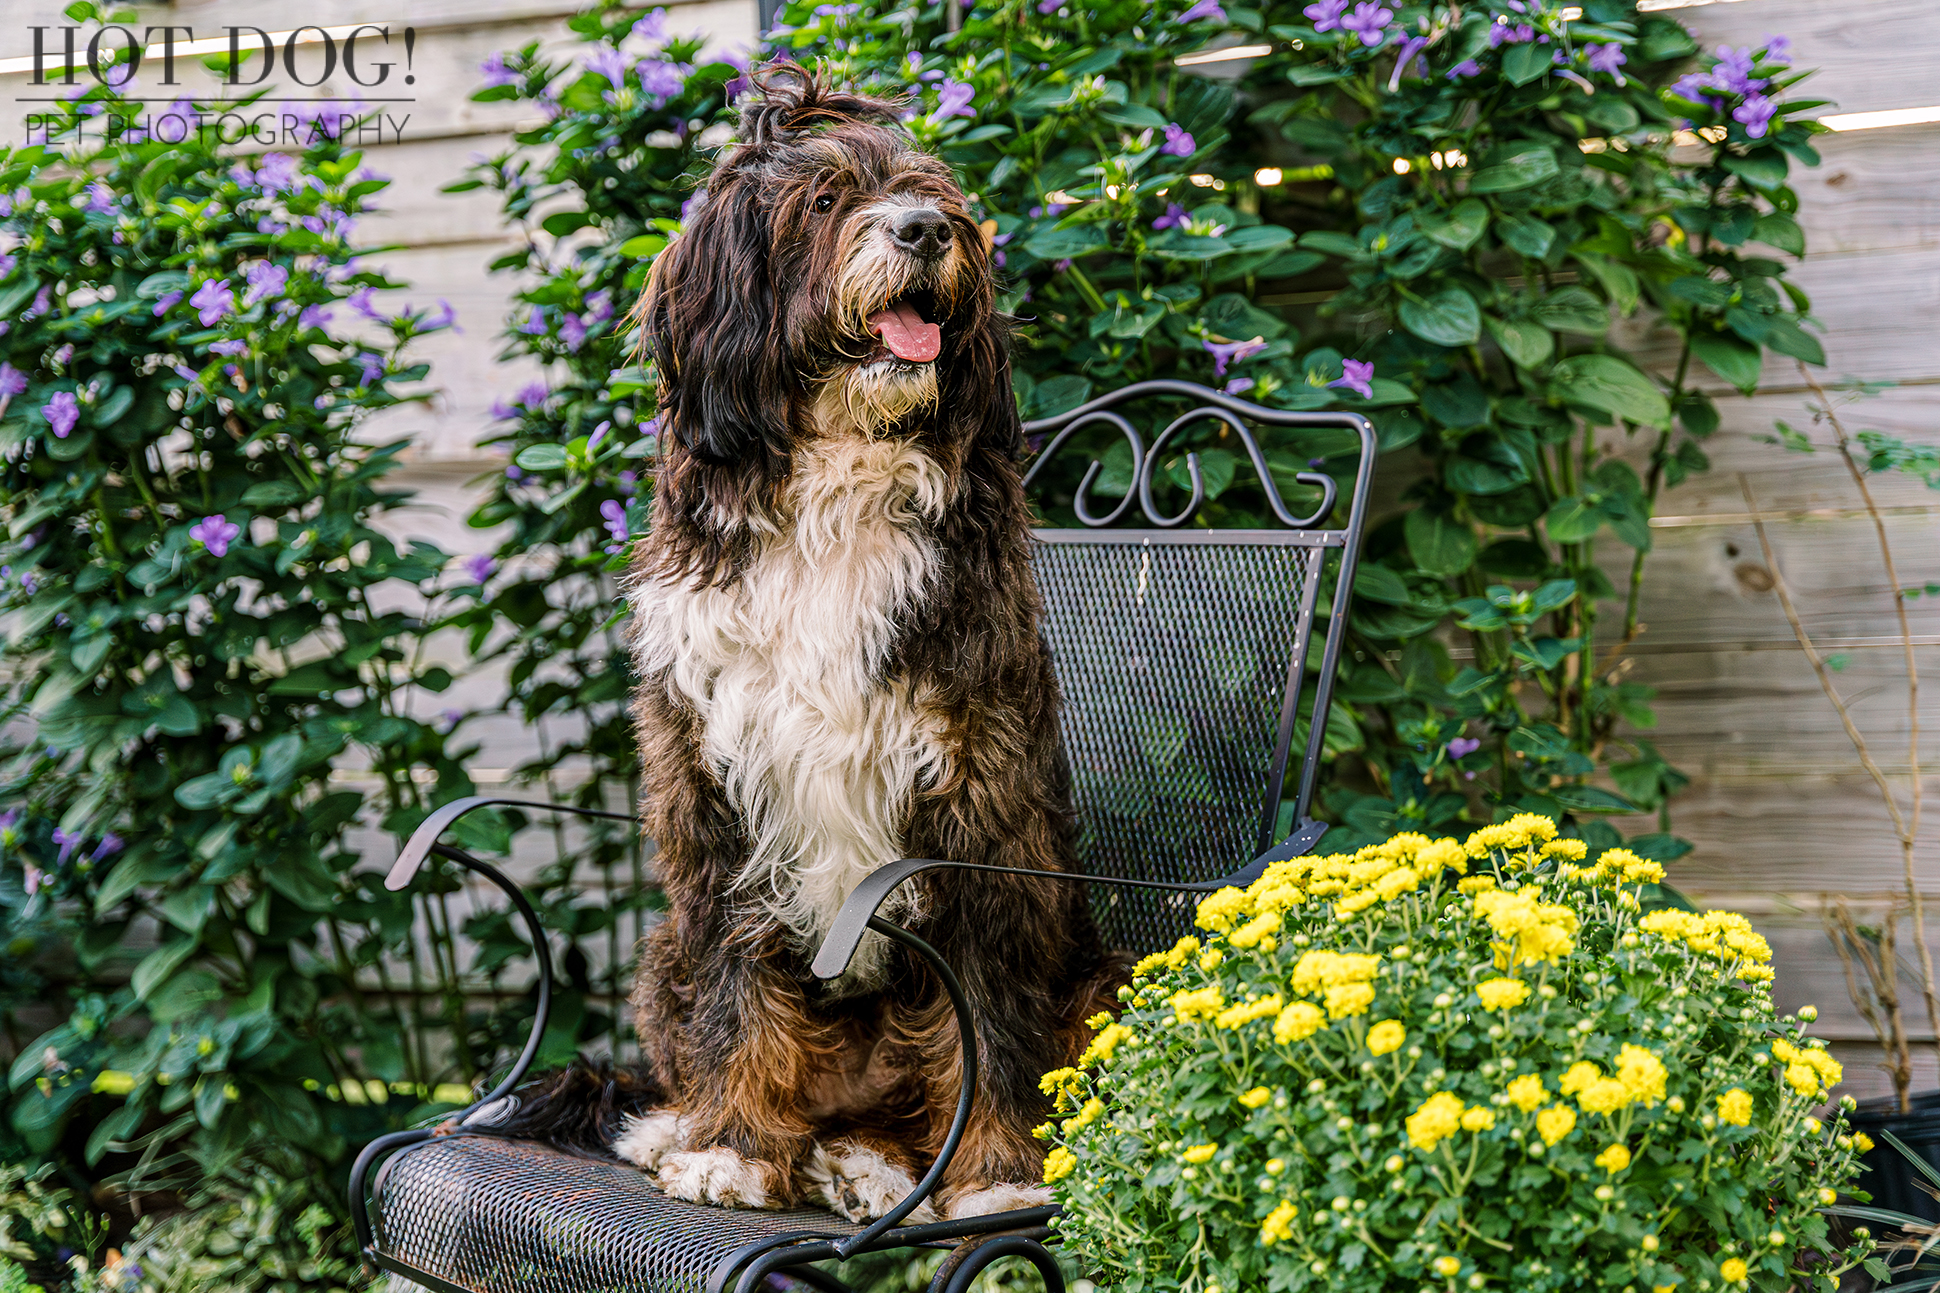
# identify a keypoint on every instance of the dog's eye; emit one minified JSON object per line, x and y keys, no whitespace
{"x":824,"y":202}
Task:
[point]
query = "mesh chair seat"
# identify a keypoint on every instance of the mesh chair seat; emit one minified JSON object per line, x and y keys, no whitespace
{"x":501,"y":1216}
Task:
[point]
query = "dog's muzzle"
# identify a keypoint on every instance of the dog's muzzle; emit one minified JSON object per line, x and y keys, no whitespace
{"x":922,"y":233}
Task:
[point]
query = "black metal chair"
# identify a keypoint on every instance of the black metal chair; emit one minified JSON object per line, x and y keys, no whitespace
{"x":1181,"y":654}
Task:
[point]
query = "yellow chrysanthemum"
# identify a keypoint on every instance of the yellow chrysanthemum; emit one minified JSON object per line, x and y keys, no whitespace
{"x":1529,"y":930}
{"x":1253,"y":1099}
{"x":1442,"y":855}
{"x":1058,"y":1164}
{"x":1642,"y":1075}
{"x":1062,"y":1083}
{"x":1526,"y":1092}
{"x":1502,"y":994}
{"x":1246,"y":1012}
{"x":1605,"y":1096}
{"x":1732,"y":1270}
{"x":1448,"y":1266}
{"x":1203,"y":1003}
{"x":1348,"y":999}
{"x":1176,"y":959}
{"x":1862,"y":1142}
{"x":1476,"y":884}
{"x":1438,"y":1118}
{"x":1104,"y":1044}
{"x":1478,"y":1119}
{"x":1257,"y":932}
{"x":1093,"y":1109}
{"x":1298,"y":1022}
{"x":1278,"y":1226}
{"x":1734,"y":1107}
{"x":1568,"y":850}
{"x":1319,"y":970}
{"x":1613,"y":1159}
{"x":1555,"y":1122}
{"x":1211,"y":959}
{"x":1386,"y":1037}
{"x":1200,"y":1153}
{"x":1220,"y":911}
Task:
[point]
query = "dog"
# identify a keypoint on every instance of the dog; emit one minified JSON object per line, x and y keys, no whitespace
{"x":835,"y":629}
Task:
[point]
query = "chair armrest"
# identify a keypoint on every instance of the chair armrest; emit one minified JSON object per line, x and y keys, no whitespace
{"x":845,"y":932}
{"x":418,"y":847}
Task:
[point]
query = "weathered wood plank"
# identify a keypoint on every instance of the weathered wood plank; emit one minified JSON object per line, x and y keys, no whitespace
{"x":1872,"y":54}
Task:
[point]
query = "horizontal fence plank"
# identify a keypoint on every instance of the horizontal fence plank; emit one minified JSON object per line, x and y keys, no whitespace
{"x":1871,"y":54}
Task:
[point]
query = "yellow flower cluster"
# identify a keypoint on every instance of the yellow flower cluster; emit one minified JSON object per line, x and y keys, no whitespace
{"x":1502,"y":994}
{"x":1809,"y":1072}
{"x":1734,"y":1107}
{"x":1722,"y":935}
{"x":1615,"y":867}
{"x":1355,"y":881}
{"x":1298,"y":1022}
{"x":1182,"y":951}
{"x":1062,"y":1083}
{"x":1058,"y":1164}
{"x":1104,"y":1044}
{"x":1202,"y":1003}
{"x":1526,"y":1092}
{"x":1613,"y":1159}
{"x":1093,"y":1109}
{"x":1530,"y":930}
{"x":1200,"y":1153}
{"x":1278,"y":1226}
{"x":1386,"y":1037}
{"x":1639,"y":1080}
{"x":1440,"y":1116}
{"x":1555,"y":1122}
{"x":1733,"y":1270}
{"x":1523,"y":831}
{"x":1344,"y":979}
{"x":1247,"y":1011}
{"x":1253,"y":1099}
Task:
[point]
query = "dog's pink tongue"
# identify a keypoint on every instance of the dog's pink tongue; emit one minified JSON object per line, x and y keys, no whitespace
{"x":909,"y":338}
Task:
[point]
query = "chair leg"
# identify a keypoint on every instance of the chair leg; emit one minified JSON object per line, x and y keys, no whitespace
{"x":968,"y":1260}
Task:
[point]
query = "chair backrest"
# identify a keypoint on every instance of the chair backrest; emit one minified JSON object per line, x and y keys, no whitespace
{"x":1182,"y":651}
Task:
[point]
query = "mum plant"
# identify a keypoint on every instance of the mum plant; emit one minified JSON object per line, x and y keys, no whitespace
{"x":204,"y":625}
{"x":1455,"y":1065}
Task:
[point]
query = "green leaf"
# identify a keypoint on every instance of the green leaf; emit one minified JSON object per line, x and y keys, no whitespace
{"x":561,"y":223}
{"x":1066,"y":244}
{"x":1459,"y":227}
{"x":1529,"y":344}
{"x":1573,"y":519}
{"x":158,"y":965}
{"x":1787,"y":338}
{"x":1526,"y":234}
{"x":1259,"y":237}
{"x":1521,"y":171}
{"x":1764,"y":169}
{"x":1737,"y":361}
{"x":273,"y":493}
{"x":1523,"y":63}
{"x":1572,"y":309}
{"x":542,"y":457}
{"x":1610,"y":385}
{"x":1448,"y":318}
{"x":1590,"y":799}
{"x":1439,"y":543}
{"x":1061,"y":394}
{"x":1776,"y":229}
{"x":1135,"y":115}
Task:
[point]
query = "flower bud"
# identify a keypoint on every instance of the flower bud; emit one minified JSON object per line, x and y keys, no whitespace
{"x":1604,"y":1193}
{"x":1808,"y":1013}
{"x":1395,"y":1163}
{"x":1649,"y":1243}
{"x":1675,"y":1104}
{"x":1443,"y":1001}
{"x":1776,"y":1239}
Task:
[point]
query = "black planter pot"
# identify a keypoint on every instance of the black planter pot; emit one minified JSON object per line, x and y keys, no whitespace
{"x":1891,"y":1180}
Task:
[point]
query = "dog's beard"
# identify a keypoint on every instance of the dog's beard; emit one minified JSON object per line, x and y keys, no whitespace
{"x":873,"y":398}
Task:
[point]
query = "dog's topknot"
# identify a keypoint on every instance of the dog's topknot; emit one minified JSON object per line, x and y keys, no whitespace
{"x":787,"y":101}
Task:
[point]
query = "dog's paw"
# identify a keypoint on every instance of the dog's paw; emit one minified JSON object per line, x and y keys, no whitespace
{"x":645,"y":1139}
{"x":996,"y":1198}
{"x":717,"y":1175}
{"x":857,"y":1182}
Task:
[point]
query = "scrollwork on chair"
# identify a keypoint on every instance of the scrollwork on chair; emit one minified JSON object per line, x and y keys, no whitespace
{"x":1234,"y":413}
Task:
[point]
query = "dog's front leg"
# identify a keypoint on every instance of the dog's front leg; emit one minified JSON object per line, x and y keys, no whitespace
{"x":747,"y":1054}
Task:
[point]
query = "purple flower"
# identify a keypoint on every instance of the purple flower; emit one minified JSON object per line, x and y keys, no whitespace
{"x":360,"y":303}
{"x":62,"y":411}
{"x":534,"y":395}
{"x":100,"y":198}
{"x":371,"y":366}
{"x":6,"y":264}
{"x":69,"y":841}
{"x":480,"y":566}
{"x":688,"y":207}
{"x":1368,"y":21}
{"x":63,"y":355}
{"x":1175,"y":217}
{"x":1326,"y":14}
{"x":599,"y":434}
{"x":444,"y":318}
{"x":513,"y":474}
{"x":572,"y":330}
{"x":1411,"y":48}
{"x":1232,"y":352}
{"x":1756,"y":114}
{"x":1692,"y":86}
{"x":1177,"y":142}
{"x":1239,"y":386}
{"x":629,"y":481}
{"x":496,"y":72}
{"x":1049,"y":6}
{"x":12,"y":381}
{"x":266,"y":281}
{"x":609,"y":63}
{"x":1356,"y":376}
{"x":232,"y":346}
{"x":615,"y":513}
{"x":313,"y":316}
{"x":1778,"y":51}
{"x":109,"y":846}
{"x":167,"y":301}
{"x":1466,"y":68}
{"x":1463,"y":746}
{"x":1208,"y":10}
{"x":215,"y":533}
{"x":535,"y":322}
{"x":42,"y":303}
{"x":1059,"y":266}
{"x":599,"y":307}
{"x":652,"y":27}
{"x":213,"y":301}
{"x":1733,"y":71}
{"x":450,"y":719}
{"x":1607,"y":59}
{"x":278,"y":173}
{"x":953,"y":100}
{"x":29,"y":584}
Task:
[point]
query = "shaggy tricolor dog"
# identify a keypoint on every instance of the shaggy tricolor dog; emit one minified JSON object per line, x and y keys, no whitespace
{"x":836,"y":633}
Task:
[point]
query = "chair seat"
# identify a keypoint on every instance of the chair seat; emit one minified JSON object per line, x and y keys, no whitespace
{"x":501,"y":1216}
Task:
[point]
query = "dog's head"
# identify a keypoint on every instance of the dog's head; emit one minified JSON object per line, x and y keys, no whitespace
{"x":831,"y":268}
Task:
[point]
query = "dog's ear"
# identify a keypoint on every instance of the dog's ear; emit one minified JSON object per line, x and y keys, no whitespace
{"x":790,"y":100}
{"x":710,"y":323}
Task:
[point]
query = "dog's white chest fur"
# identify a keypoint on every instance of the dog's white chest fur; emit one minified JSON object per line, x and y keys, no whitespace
{"x":819,"y":749}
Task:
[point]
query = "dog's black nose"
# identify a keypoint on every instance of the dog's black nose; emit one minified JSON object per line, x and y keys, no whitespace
{"x":923,"y":232}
